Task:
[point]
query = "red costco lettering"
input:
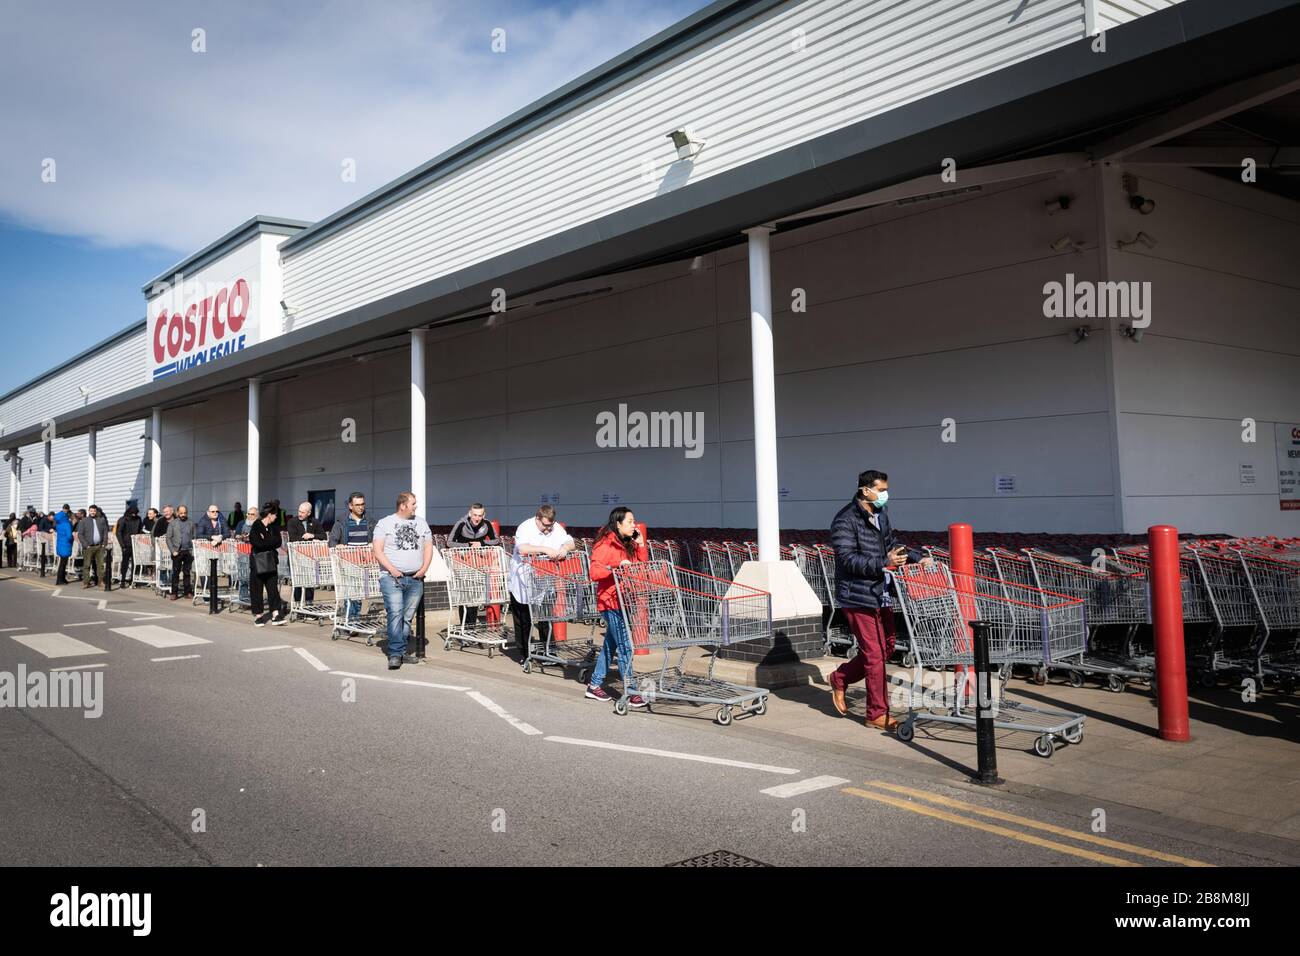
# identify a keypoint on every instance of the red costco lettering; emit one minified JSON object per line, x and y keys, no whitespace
{"x":240,"y":295}
{"x":174,"y":332}
{"x":219,"y":303}
{"x":159,"y":346}
{"x":189,"y":327}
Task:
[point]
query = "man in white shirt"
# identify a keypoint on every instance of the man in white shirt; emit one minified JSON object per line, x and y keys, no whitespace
{"x":539,"y":535}
{"x":403,"y":545}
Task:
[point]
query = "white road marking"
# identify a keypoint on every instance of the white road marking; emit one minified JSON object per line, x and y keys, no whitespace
{"x":6,"y":630}
{"x":159,"y":637}
{"x":497,"y":709}
{"x":57,"y":645}
{"x":400,"y":680}
{"x":310,"y":658}
{"x":76,"y":667}
{"x":650,"y":751}
{"x":182,"y":657}
{"x":803,"y":786}
{"x":269,"y":647}
{"x":85,"y":623}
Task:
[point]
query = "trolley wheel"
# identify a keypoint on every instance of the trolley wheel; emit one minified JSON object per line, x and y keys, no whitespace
{"x":905,"y":731}
{"x":620,"y":707}
{"x":760,"y":708}
{"x":528,"y":669}
{"x":584,"y":675}
{"x":1207,"y":679}
{"x":489,"y":649}
{"x":1040,"y":675}
{"x":446,"y":645}
{"x":1286,"y":685}
{"x":1076,"y":678}
{"x":909,"y":659}
{"x":334,"y":635}
{"x":1044,"y":746}
{"x":1152,"y":684}
{"x":1074,"y":734}
{"x":723,"y":717}
{"x":1115,"y":684}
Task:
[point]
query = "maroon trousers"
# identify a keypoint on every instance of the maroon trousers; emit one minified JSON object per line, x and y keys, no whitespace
{"x":874,"y":630}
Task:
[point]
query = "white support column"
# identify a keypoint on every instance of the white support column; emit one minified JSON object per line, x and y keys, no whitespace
{"x":254,"y":442}
{"x":45,"y":479}
{"x":90,"y":464}
{"x":418,"y":422}
{"x":15,"y":482}
{"x":155,"y":460}
{"x":767,"y":492}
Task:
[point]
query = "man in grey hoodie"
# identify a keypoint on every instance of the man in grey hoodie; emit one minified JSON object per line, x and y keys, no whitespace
{"x":180,"y":542}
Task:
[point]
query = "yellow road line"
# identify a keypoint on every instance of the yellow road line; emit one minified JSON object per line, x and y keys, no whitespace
{"x":991,"y":828}
{"x":1038,"y":825}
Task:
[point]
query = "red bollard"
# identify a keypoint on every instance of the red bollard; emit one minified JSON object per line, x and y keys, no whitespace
{"x":493,"y":611}
{"x":1167,"y":623}
{"x":961,"y":558}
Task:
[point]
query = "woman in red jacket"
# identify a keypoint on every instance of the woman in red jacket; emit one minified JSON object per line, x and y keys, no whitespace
{"x":617,"y":544}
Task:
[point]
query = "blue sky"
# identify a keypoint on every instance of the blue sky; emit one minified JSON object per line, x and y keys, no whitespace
{"x":158,"y":148}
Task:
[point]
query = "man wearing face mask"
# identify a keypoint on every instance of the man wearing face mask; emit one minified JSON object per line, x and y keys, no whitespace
{"x":865,"y":550}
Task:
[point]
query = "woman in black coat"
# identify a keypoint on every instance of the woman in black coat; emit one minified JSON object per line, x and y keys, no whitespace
{"x":263,"y":567}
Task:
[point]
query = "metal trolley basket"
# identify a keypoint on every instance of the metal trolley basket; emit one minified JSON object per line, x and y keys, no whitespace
{"x":310,"y":569}
{"x":356,"y":582}
{"x":836,"y":637}
{"x":672,"y":609}
{"x":204,"y":552}
{"x":142,"y":560}
{"x":476,"y":577}
{"x":1027,"y":626}
{"x":560,"y":591}
{"x":1275,"y":585}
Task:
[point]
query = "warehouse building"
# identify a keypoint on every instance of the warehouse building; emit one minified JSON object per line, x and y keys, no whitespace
{"x":1034,"y":258}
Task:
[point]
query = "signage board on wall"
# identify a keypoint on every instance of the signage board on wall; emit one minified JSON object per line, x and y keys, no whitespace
{"x":1288,"y":465}
{"x":1004,"y":485}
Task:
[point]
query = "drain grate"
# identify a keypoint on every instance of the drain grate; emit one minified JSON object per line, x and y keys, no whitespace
{"x":720,"y":858}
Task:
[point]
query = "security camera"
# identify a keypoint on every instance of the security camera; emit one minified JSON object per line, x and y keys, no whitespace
{"x":1079,"y":333}
{"x":1059,"y":204}
{"x":688,"y":144}
{"x":1138,"y":203}
{"x":1066,"y":242}
{"x":287,"y":309}
{"x":1141,"y":239}
{"x":1133,"y":332}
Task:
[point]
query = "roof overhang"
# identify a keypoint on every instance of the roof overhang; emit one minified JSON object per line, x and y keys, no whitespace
{"x":1151,"y":64}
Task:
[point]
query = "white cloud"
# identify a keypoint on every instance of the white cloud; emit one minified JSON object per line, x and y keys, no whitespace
{"x":159,"y":145}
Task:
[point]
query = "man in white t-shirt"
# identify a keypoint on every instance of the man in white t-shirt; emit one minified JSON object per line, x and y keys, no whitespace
{"x":538,"y":535}
{"x":403,"y":545}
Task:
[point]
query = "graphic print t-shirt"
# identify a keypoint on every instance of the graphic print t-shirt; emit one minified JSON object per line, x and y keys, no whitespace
{"x":404,"y":541}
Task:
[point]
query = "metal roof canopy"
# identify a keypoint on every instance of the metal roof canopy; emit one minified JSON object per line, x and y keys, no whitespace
{"x":1155,"y":63}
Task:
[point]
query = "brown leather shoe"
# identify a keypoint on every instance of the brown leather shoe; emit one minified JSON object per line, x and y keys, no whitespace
{"x":883,"y":722}
{"x":837,"y":698}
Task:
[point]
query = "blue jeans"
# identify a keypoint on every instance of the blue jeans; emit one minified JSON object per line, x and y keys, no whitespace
{"x":351,"y":611}
{"x":617,"y":640}
{"x":401,"y":598}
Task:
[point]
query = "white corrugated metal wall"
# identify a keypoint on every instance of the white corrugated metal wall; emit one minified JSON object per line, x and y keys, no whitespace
{"x":796,"y":72}
{"x":1114,"y":13}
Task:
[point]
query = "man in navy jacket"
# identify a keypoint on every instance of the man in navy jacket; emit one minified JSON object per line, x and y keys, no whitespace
{"x":865,"y":549}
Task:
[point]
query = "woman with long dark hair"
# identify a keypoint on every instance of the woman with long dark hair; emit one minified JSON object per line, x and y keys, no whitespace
{"x":617,"y":544}
{"x":263,"y":567}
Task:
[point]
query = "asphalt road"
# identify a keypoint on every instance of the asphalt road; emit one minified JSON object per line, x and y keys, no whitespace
{"x":251,"y":733}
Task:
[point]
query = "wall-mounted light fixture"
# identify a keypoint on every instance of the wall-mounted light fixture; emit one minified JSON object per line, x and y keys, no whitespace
{"x":1137,"y":202}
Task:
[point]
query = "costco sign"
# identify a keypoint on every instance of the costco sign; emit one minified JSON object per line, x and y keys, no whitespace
{"x":199,"y":330}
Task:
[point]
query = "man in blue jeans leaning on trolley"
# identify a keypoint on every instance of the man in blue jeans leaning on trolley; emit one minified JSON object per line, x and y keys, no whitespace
{"x":403,"y":545}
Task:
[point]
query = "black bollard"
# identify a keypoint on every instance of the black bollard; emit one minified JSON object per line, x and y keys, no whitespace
{"x":42,"y":559}
{"x":420,"y":642}
{"x":212,"y":588}
{"x":984,"y":736}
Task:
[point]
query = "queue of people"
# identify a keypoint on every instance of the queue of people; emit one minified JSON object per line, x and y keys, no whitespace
{"x":866,"y":549}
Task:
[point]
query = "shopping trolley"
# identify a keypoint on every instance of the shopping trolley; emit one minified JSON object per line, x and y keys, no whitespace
{"x":237,"y":557}
{"x":836,"y":636}
{"x":29,"y":557}
{"x":310,"y":568}
{"x":1110,"y":598}
{"x":476,"y":577}
{"x":356,"y":581}
{"x":204,"y":553}
{"x":672,"y":609}
{"x":142,"y":560}
{"x":717,"y":564}
{"x":164,"y":576}
{"x":1029,"y":626}
{"x":809,"y":563}
{"x":559,"y":591}
{"x":1235,"y":641}
{"x":737,"y":554}
{"x":1275,"y":586}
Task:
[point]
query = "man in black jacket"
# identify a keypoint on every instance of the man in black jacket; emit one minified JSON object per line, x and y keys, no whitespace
{"x":304,"y":527}
{"x":129,"y":524}
{"x":866,"y":550}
